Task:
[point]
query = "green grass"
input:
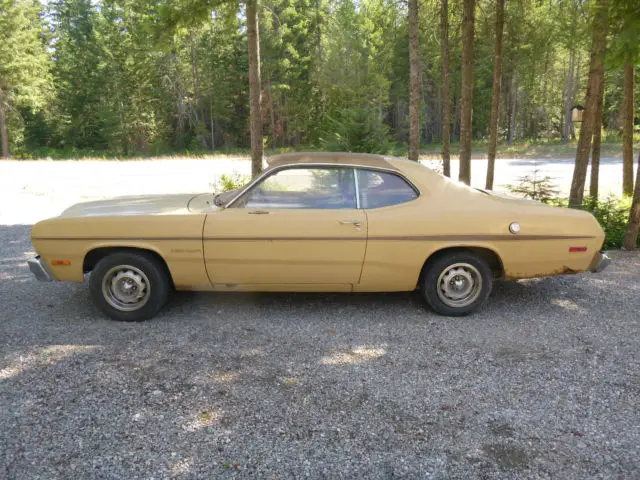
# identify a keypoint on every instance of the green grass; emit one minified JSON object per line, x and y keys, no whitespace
{"x":525,"y":149}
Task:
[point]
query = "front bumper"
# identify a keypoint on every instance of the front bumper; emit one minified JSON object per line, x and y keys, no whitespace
{"x":599,"y":262}
{"x":39,"y":269}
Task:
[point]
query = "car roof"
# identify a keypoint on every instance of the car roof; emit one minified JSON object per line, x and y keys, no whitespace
{"x":331,"y":158}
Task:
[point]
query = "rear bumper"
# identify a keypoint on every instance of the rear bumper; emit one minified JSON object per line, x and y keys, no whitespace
{"x":599,"y":262}
{"x":39,"y":269}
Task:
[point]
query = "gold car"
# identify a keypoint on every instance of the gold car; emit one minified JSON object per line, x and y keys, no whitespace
{"x":315,"y":222}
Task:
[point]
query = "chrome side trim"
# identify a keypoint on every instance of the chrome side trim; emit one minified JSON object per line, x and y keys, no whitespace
{"x":441,"y":237}
{"x":466,"y":239}
{"x":121,"y":239}
{"x":355,"y":179}
{"x":39,"y":269}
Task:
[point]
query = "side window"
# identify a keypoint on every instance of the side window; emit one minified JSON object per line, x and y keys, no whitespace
{"x":382,"y":189}
{"x":305,"y":188}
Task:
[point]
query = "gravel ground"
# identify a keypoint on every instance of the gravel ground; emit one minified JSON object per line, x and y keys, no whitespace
{"x":543,"y":382}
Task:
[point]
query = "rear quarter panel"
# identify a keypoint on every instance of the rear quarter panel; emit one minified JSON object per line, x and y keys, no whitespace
{"x":402,"y":237}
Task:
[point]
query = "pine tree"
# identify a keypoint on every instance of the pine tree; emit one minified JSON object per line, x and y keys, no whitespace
{"x":79,"y":79}
{"x":255,"y":86}
{"x":495,"y":96}
{"x":466,"y":100}
{"x":24,"y":66}
{"x":596,"y":77}
{"x":446,"y":88}
{"x":633,"y":227}
{"x":414,"y":81}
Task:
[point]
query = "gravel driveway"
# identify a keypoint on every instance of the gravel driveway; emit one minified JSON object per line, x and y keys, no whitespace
{"x":544,"y":382}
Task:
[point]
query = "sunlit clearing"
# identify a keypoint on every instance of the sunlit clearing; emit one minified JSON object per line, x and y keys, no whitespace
{"x":17,"y":260}
{"x":225,"y":377}
{"x":253,"y":352}
{"x":181,"y":466}
{"x":202,"y":419}
{"x":566,"y":304}
{"x":41,"y":357}
{"x":530,"y":281}
{"x":354,"y":356}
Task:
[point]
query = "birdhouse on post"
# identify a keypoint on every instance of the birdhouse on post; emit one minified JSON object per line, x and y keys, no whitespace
{"x":576,"y":113}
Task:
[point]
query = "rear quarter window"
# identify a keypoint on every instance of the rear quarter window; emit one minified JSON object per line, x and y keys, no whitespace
{"x":383,"y":189}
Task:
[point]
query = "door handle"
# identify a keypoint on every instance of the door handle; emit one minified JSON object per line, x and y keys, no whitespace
{"x":259,"y":212}
{"x":350,"y":222}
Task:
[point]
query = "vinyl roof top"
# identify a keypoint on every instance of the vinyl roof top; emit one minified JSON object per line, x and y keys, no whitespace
{"x":338,"y":158}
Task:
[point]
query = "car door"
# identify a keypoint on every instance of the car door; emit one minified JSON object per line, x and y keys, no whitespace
{"x":393,"y":217}
{"x":298,"y":225}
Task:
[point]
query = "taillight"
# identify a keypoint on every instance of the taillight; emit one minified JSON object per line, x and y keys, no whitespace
{"x":577,"y":249}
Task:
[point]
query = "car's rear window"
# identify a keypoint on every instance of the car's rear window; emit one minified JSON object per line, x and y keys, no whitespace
{"x":382,"y":189}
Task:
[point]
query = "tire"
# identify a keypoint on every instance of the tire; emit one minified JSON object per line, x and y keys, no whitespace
{"x":452,"y":275}
{"x":129,"y":286}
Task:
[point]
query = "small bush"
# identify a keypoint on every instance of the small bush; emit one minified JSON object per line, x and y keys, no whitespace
{"x":535,"y":187}
{"x":228,"y":182}
{"x":613,"y":215}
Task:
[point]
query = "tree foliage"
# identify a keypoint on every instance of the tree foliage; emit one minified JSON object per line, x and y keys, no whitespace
{"x":142,"y":76}
{"x":24,"y":70}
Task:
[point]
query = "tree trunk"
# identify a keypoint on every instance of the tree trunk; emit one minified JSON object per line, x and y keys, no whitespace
{"x":255,"y":87}
{"x":466,"y":97}
{"x":495,"y":96}
{"x":4,"y":131}
{"x":414,"y":80}
{"x":546,"y":79}
{"x":566,"y":133}
{"x":597,"y":140}
{"x":576,"y":87}
{"x":446,"y":89}
{"x":514,"y":107}
{"x":633,"y":227}
{"x":213,"y":137}
{"x":198,"y":110}
{"x":269,"y":105}
{"x":596,"y":64}
{"x":627,"y":131}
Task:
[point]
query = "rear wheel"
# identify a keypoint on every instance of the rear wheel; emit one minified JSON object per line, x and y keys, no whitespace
{"x":457,"y":283}
{"x":129,"y":286}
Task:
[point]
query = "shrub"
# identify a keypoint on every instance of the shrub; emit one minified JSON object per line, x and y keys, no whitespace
{"x":613,"y":215}
{"x":228,"y":182}
{"x":536,"y":188}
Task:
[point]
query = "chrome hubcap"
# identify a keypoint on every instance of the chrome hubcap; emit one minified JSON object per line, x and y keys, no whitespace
{"x":126,"y":288}
{"x":459,"y":285}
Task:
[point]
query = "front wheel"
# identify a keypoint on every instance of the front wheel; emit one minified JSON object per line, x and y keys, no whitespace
{"x":129,"y":286}
{"x":457,"y":283}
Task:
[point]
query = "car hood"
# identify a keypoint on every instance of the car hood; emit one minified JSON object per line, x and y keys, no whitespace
{"x":135,"y":205}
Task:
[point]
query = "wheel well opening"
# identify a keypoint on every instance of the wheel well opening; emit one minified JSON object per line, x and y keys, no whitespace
{"x":488,"y":255}
{"x":94,"y":256}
